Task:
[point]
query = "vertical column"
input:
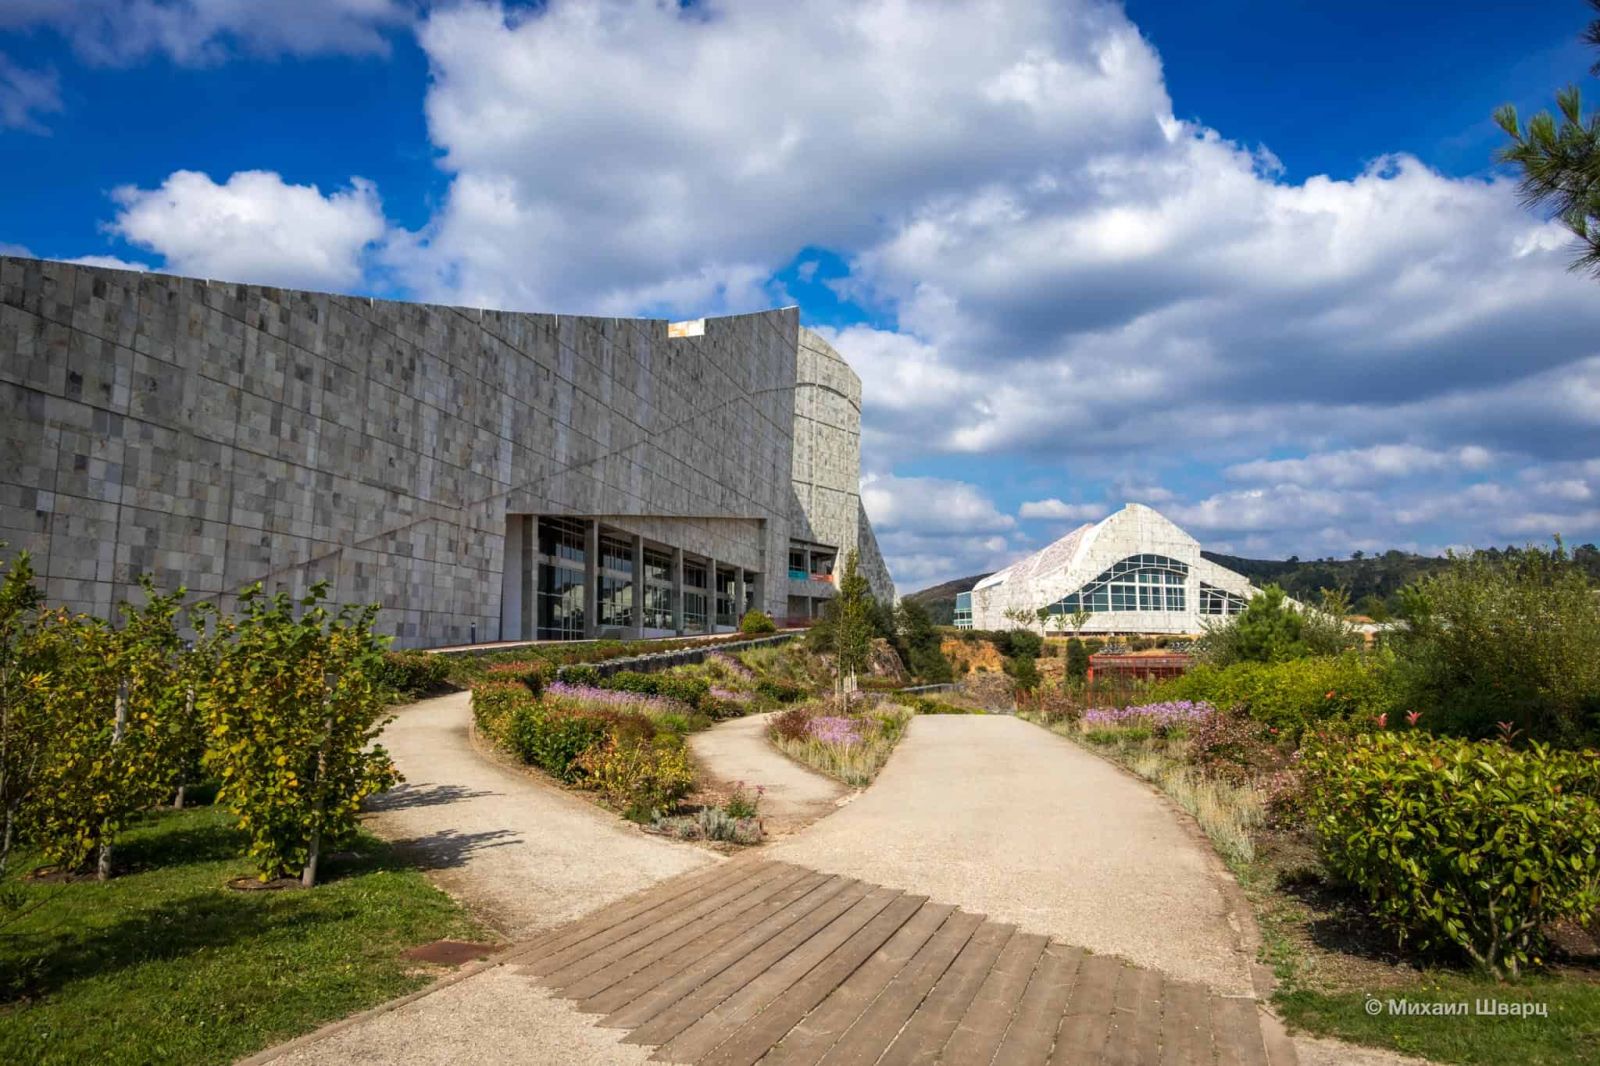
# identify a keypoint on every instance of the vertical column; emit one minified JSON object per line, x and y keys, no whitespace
{"x":711,"y":594}
{"x":639,"y":586}
{"x":738,"y":596}
{"x":530,"y":577}
{"x":677,"y":591}
{"x":761,"y":590}
{"x":591,"y":579}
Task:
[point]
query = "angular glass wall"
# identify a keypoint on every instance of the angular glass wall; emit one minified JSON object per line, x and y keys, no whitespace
{"x":560,"y":586}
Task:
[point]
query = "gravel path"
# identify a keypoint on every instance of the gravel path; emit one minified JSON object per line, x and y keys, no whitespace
{"x":738,"y":750}
{"x":1006,"y":819}
{"x":521,"y":853}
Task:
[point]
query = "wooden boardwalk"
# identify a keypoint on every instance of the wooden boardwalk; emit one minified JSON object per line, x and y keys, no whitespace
{"x":773,"y":963}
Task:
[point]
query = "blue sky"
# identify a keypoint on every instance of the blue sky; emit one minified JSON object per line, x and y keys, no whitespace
{"x":1248,"y":262}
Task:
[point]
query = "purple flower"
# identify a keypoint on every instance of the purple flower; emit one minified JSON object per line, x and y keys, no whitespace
{"x":610,"y":699}
{"x":732,"y":695}
{"x":1172,"y":712}
{"x":835,"y":729}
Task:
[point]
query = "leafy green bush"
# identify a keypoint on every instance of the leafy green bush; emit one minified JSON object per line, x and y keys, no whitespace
{"x":1511,"y":636}
{"x":533,"y":674}
{"x":1456,"y":842}
{"x":640,"y":777}
{"x":579,"y":674}
{"x":1018,"y":643}
{"x":1077,"y":660}
{"x":1024,"y":671}
{"x":413,"y":673}
{"x":757,"y":623}
{"x":782,"y":691}
{"x":1270,"y":630}
{"x":494,"y":703}
{"x":294,"y":711}
{"x":1293,"y":695}
{"x":554,"y":739}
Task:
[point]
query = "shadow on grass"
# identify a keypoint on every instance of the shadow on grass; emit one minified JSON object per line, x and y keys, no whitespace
{"x":39,"y":963}
{"x":141,"y":851}
{"x":1338,"y":921}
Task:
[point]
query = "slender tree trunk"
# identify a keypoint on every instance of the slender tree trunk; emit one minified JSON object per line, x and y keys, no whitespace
{"x":308,"y":876}
{"x":188,"y":721}
{"x":103,"y":867}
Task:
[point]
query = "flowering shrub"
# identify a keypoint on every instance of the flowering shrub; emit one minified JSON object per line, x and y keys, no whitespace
{"x":1470,"y":843}
{"x":793,"y":724}
{"x":1150,"y":715}
{"x":1234,"y":746}
{"x":534,"y":674}
{"x":834,"y":729}
{"x":554,"y":738}
{"x":494,"y":703}
{"x":587,"y":698}
{"x":1294,"y":695}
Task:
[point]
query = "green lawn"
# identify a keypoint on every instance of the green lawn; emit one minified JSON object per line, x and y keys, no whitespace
{"x":1570,"y":1034}
{"x":165,"y":964}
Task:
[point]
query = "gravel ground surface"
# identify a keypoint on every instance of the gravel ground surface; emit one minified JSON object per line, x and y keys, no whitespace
{"x":520,"y":852}
{"x":494,"y":1017}
{"x":1009,"y":820}
{"x":738,"y":750}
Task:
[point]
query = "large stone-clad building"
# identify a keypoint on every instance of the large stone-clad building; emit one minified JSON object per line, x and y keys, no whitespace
{"x":484,"y":475}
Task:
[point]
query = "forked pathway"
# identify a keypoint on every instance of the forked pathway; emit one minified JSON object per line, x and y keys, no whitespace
{"x":737,"y":751}
{"x":1006,"y":819}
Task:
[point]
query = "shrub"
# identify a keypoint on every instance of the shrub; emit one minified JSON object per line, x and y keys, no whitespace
{"x":1077,"y":660}
{"x":793,"y":724}
{"x":554,"y":739}
{"x":1509,"y":636}
{"x":781,"y":691}
{"x":413,"y":673}
{"x":1294,"y":695}
{"x":1271,"y":630}
{"x":1233,"y":746}
{"x":531,"y":674}
{"x":711,"y":823}
{"x":294,"y":711}
{"x":641,"y":778}
{"x":744,"y":803}
{"x":1019,"y":643}
{"x":757,"y":623}
{"x":1024,"y":671}
{"x":1456,"y":842}
{"x":580,"y":674}
{"x":493,"y":705}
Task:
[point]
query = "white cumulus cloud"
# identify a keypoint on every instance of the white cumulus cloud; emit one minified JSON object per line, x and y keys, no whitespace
{"x":254,"y":227}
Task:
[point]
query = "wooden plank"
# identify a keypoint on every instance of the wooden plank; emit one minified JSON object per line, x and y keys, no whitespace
{"x":681,"y":960}
{"x":869,"y":1008}
{"x":1236,"y":1028}
{"x":983,"y":1027}
{"x":578,"y":930}
{"x":678,"y":1004}
{"x":1038,"y":1015}
{"x":1185,"y":1025}
{"x":1087,"y":1017}
{"x":759,"y":1035}
{"x":704,"y":932}
{"x":940,"y":1011}
{"x":704,"y":910}
{"x":876,"y":916}
{"x":550,"y":961}
{"x":1135,"y":1036}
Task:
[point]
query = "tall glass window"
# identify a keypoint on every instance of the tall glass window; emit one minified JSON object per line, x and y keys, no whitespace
{"x":657,"y":589}
{"x":616,"y":583}
{"x":694,"y":596}
{"x":1145,"y":582}
{"x":559,"y":601}
{"x":963,"y":618}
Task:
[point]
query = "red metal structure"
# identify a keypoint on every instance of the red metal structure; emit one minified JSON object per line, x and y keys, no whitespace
{"x":1168,"y":664}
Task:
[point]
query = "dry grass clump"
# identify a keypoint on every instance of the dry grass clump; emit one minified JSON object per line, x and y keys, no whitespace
{"x":849,"y":744}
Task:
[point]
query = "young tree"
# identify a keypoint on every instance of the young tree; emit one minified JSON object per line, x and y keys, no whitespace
{"x":116,"y":715}
{"x":1079,"y":619}
{"x":923,"y":643}
{"x":854,"y":621}
{"x":23,"y":730}
{"x":293,"y":713}
{"x":1560,"y":161}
